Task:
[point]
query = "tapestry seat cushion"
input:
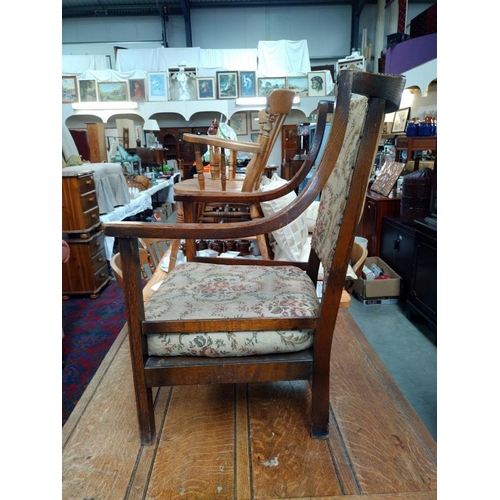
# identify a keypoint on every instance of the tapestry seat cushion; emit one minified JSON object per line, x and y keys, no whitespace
{"x":219,"y":291}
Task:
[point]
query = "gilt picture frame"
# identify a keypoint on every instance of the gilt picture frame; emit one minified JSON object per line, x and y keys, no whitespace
{"x":87,"y":90}
{"x":267,"y":85}
{"x":299,"y":84}
{"x":254,"y":120}
{"x":247,"y":81}
{"x":205,"y":87}
{"x":112,"y":91}
{"x":238,"y":123}
{"x":400,"y":120}
{"x":227,"y":84}
{"x":137,"y":89}
{"x":69,"y":89}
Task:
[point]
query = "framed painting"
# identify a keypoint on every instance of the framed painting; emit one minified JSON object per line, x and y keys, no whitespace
{"x":157,"y":86}
{"x":205,"y":87}
{"x":299,"y":84}
{"x":254,"y":120}
{"x":87,"y":90}
{"x":112,"y":91}
{"x":227,"y":84}
{"x":238,"y":123}
{"x":400,"y":120}
{"x":387,"y":177}
{"x":137,"y":89}
{"x":267,"y":85}
{"x":316,"y":83}
{"x":247,"y":83}
{"x":69,"y":89}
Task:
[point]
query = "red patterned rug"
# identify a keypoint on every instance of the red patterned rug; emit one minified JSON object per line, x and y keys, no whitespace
{"x":90,"y":328}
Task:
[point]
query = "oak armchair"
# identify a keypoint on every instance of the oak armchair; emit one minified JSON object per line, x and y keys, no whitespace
{"x":259,"y":321}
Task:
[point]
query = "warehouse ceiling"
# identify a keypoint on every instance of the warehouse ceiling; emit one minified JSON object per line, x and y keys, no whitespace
{"x":117,"y":8}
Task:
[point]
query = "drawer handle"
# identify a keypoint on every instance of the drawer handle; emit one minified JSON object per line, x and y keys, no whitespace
{"x":100,"y":259}
{"x":97,"y":243}
{"x":88,"y":182}
{"x":93,"y":216}
{"x":91,"y":198}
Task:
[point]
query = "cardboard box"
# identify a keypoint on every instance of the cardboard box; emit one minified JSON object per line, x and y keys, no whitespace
{"x":378,"y":289}
{"x":377,"y":302}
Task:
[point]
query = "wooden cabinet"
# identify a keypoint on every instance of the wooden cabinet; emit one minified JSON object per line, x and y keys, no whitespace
{"x":177,"y":148}
{"x":289,"y":142}
{"x":370,"y":226}
{"x":290,"y":169}
{"x":423,"y":288}
{"x":412,"y":144}
{"x":96,"y":138}
{"x":80,"y":211}
{"x":396,"y":249}
{"x":86,"y":272}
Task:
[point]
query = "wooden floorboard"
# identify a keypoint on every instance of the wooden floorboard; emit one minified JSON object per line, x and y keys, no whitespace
{"x":246,"y":442}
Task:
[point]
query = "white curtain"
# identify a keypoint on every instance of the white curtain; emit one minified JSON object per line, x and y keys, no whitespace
{"x":283,"y":58}
{"x":271,"y":58}
{"x":75,"y":65}
{"x":156,"y":59}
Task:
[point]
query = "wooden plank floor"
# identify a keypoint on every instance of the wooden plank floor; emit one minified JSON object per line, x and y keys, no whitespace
{"x":242,"y":442}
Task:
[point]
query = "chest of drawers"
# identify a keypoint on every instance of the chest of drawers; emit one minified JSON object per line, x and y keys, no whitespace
{"x":86,"y":272}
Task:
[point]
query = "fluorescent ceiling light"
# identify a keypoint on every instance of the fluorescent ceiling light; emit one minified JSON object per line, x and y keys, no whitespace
{"x":105,"y":105}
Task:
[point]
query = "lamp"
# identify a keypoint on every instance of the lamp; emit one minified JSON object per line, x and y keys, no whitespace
{"x":150,"y":127}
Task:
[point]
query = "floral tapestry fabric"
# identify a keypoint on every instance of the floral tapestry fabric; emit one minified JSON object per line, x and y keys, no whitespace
{"x":209,"y":291}
{"x":334,"y":194}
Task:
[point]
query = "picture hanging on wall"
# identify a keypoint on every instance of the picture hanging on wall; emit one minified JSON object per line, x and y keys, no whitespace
{"x":157,"y":86}
{"x":400,"y":120}
{"x":205,"y":87}
{"x":137,"y":89}
{"x":247,"y":81}
{"x":267,"y":85}
{"x":87,"y":90}
{"x":227,"y":84}
{"x":69,"y":89}
{"x":112,"y":91}
{"x":299,"y":84}
{"x":254,"y":120}
{"x":238,"y":123}
{"x":316,"y":83}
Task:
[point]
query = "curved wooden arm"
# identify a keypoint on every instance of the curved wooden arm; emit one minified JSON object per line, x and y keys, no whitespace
{"x":219,"y":142}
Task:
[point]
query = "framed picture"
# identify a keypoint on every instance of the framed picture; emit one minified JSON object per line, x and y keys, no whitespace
{"x":316,"y":83}
{"x":227,"y":84}
{"x":205,"y":87}
{"x":247,"y":83}
{"x":137,"y":89}
{"x":238,"y":123}
{"x":400,"y":120}
{"x":157,"y":86}
{"x":69,"y":89}
{"x":87,"y":90}
{"x":112,"y":91}
{"x":254,"y":120}
{"x":267,"y":85}
{"x":387,"y":177}
{"x":299,"y":84}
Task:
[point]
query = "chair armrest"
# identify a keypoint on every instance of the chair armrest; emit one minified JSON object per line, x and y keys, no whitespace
{"x":219,"y":142}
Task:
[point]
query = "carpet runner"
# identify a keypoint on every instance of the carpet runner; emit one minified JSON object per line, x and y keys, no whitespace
{"x":90,"y":328}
